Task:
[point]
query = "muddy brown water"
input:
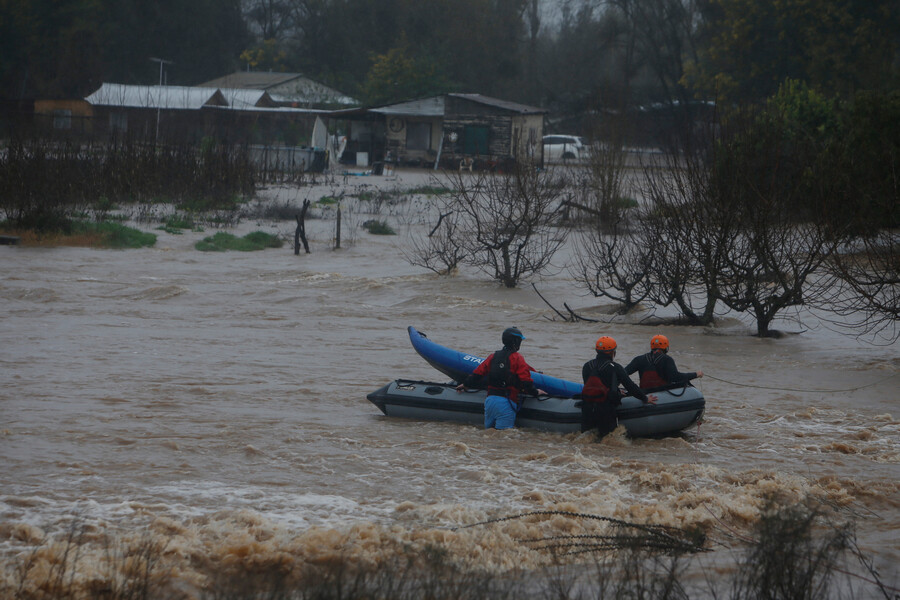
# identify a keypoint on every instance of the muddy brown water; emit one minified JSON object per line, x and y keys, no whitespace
{"x":219,"y":400}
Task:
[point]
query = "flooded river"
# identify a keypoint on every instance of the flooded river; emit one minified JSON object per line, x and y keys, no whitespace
{"x":219,"y":400}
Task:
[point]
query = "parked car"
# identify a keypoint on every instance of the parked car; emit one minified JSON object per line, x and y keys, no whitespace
{"x":562,"y":148}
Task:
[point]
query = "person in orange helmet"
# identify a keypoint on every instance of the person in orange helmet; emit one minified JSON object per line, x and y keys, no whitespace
{"x":601,"y":395}
{"x":657,"y":368}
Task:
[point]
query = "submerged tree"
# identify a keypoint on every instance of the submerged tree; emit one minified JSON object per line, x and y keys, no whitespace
{"x":615,"y":249}
{"x":867,"y":300}
{"x":441,"y":250}
{"x":615,"y":264}
{"x":770,"y":178}
{"x":503,"y":224}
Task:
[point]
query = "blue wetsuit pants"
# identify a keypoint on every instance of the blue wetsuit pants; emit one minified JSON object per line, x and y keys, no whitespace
{"x":500,"y":412}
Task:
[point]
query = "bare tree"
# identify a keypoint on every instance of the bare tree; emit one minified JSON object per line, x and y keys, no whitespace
{"x":768,"y":180}
{"x":614,"y":255}
{"x":506,"y":221}
{"x":615,"y":263}
{"x":694,"y":228}
{"x":270,"y":18}
{"x":664,"y":33}
{"x":441,"y":250}
{"x":868,"y":297}
{"x":773,"y":261}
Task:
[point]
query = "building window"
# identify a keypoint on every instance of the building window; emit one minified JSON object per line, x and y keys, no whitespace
{"x":418,"y":136}
{"x":118,"y":122}
{"x":62,"y":119}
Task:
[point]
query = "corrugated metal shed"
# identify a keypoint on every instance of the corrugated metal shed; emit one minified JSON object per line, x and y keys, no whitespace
{"x":170,"y":97}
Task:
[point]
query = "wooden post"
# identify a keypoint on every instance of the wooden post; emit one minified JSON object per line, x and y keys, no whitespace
{"x":337,"y":236}
{"x":437,"y":159}
{"x":300,"y":232}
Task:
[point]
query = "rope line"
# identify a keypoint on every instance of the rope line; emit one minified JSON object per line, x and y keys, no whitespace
{"x":786,"y":389}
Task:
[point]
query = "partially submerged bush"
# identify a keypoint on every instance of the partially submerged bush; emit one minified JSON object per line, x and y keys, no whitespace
{"x":220,"y":242}
{"x":378,"y":228}
{"x":177,"y":222}
{"x":116,"y":235}
{"x":428,"y":190}
{"x":795,"y":555}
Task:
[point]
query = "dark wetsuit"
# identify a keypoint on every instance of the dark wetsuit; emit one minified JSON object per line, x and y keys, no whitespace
{"x":660,"y":363}
{"x":602,"y":415}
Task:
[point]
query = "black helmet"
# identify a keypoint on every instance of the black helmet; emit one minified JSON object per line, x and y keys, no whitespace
{"x":512,"y":338}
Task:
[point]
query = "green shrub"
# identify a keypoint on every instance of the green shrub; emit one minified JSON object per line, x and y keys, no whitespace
{"x":264,"y":240}
{"x":428,"y":190}
{"x":376,"y":196}
{"x":114,"y":235}
{"x":327,"y":200}
{"x":175,"y":223}
{"x":104,"y":204}
{"x":378,"y":228}
{"x":220,"y":242}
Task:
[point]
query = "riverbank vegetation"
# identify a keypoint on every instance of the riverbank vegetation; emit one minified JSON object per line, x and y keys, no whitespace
{"x":222,"y":241}
{"x":50,"y":187}
{"x":793,"y":549}
{"x":91,"y":234}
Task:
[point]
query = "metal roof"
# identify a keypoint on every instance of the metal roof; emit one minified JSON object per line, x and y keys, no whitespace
{"x":502,"y":104}
{"x":241,"y":98}
{"x":286,"y":110}
{"x":283,"y":87}
{"x":171,"y":97}
{"x":257,"y":80}
{"x":426,"y":107}
{"x":436,"y":106}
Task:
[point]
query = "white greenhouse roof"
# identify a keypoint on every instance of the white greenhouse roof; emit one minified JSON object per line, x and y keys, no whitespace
{"x":170,"y":97}
{"x":245,"y":98}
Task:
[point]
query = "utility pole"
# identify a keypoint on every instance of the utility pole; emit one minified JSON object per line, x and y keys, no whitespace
{"x":159,"y":100}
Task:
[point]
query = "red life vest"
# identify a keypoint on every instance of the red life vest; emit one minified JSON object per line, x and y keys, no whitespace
{"x":651,"y":377}
{"x":594,"y":389}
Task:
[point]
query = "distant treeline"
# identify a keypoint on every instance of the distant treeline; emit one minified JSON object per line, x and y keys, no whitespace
{"x":573,"y":58}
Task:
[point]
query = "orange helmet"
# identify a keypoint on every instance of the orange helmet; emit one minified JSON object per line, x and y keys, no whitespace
{"x":659,"y":342}
{"x":605,"y":344}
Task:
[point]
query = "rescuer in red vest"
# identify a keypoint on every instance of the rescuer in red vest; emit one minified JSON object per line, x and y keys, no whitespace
{"x":601,"y":395}
{"x":505,"y":374}
{"x":657,"y":368}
